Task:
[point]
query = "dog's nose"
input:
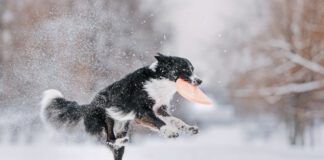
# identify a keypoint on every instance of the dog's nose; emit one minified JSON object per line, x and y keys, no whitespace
{"x":198,"y":81}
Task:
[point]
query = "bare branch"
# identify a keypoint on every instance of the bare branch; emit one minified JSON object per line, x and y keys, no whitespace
{"x":281,"y":90}
{"x":315,"y":67}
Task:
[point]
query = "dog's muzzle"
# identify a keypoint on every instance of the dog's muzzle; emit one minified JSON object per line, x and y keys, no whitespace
{"x":195,"y":80}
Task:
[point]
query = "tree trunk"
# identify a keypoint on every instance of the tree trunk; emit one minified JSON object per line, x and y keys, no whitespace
{"x":299,"y":121}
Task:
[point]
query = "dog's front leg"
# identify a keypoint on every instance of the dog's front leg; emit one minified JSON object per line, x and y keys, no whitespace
{"x":176,"y":122}
{"x":149,"y":119}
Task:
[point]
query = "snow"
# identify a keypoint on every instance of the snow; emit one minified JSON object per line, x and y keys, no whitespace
{"x":6,"y":36}
{"x":7,"y":16}
{"x":221,"y":142}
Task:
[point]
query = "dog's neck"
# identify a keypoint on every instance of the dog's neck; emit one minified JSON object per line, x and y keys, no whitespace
{"x":160,"y":90}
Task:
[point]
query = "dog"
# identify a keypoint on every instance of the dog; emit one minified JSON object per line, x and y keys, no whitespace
{"x":143,"y":96}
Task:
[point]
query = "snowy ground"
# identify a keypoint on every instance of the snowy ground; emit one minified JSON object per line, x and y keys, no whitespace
{"x":221,"y":143}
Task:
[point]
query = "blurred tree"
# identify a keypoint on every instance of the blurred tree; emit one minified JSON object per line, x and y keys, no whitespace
{"x":290,"y":82}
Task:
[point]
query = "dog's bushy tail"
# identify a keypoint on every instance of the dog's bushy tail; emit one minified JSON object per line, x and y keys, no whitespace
{"x":48,"y":97}
{"x":58,"y":112}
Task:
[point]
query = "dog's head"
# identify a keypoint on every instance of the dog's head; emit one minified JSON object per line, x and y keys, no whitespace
{"x":173,"y":68}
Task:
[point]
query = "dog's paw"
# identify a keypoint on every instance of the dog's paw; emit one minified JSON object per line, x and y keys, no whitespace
{"x":192,"y":130}
{"x":169,"y":132}
{"x":183,"y":127}
{"x":119,"y":142}
{"x":122,"y":141}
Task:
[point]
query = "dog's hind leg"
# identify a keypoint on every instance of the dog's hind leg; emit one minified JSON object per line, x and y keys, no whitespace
{"x":121,"y":138}
{"x":97,"y":122}
{"x":112,"y":141}
{"x":109,"y":128}
{"x":116,"y":133}
{"x":121,"y":130}
{"x":118,"y":153}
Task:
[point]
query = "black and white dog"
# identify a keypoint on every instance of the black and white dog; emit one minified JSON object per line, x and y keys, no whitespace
{"x":143,"y":96}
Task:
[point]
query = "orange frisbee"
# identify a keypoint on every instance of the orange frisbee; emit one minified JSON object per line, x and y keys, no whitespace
{"x":192,"y":93}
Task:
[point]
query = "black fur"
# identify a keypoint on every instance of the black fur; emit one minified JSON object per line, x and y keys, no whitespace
{"x":68,"y":112}
{"x":128,"y":96}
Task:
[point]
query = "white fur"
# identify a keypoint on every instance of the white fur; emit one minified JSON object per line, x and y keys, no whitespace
{"x":48,"y":96}
{"x":153,"y":66}
{"x":169,"y":131}
{"x":179,"y":124}
{"x":119,"y":126}
{"x":161,"y":90}
{"x":119,"y":142}
{"x":119,"y":115}
{"x":193,"y":77}
{"x":122,"y":141}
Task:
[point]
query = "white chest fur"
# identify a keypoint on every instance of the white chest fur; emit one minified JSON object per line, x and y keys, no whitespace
{"x":161,"y":90}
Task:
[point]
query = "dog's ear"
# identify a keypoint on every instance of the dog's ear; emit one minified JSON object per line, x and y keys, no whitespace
{"x":160,"y":54}
{"x":160,"y":57}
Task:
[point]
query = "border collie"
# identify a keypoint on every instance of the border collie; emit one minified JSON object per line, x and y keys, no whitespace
{"x":143,"y":96}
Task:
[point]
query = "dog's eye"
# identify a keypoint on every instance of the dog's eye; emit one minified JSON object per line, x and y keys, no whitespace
{"x":186,"y":72}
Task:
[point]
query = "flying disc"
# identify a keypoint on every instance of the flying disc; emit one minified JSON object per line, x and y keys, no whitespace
{"x":192,"y":93}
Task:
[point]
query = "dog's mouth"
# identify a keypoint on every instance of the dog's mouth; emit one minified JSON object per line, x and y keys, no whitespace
{"x":185,"y":78}
{"x":191,"y":92}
